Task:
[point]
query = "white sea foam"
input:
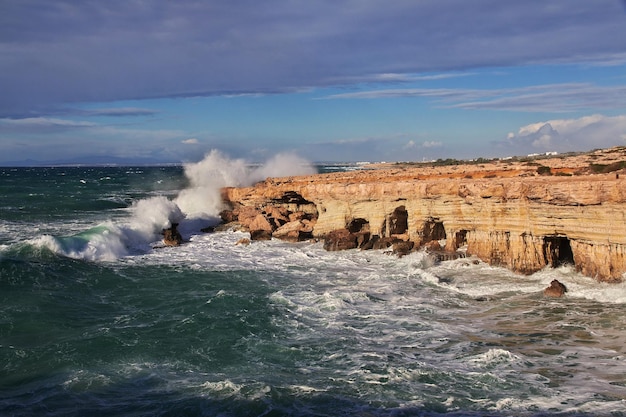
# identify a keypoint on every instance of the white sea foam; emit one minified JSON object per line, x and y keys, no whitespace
{"x":460,"y":276}
{"x":395,"y":322}
{"x":493,"y":357}
{"x":379,"y":321}
{"x":101,"y":243}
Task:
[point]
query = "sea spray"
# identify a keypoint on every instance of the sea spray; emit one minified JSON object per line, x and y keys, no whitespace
{"x":206,"y":177}
{"x":202,"y":198}
{"x":152,"y":215}
{"x":278,"y":328}
{"x":193,"y":208}
{"x":282,"y":165}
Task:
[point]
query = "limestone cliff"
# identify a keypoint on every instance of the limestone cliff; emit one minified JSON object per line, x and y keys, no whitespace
{"x":507,"y":216}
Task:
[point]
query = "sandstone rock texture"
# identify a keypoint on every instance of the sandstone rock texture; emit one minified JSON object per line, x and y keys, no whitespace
{"x":504,"y":212}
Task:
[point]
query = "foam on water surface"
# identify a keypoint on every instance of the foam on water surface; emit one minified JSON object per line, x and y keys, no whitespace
{"x":286,"y":328}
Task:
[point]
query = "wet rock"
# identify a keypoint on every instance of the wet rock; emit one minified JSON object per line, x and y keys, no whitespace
{"x":362,"y":239}
{"x":260,"y":228}
{"x":228,"y":216}
{"x":556,"y":289}
{"x":260,"y":235}
{"x":402,"y":248}
{"x":171,"y":236}
{"x":384,"y":243}
{"x":433,"y":246}
{"x":369,"y":244}
{"x":340,"y":239}
{"x":295,"y":231}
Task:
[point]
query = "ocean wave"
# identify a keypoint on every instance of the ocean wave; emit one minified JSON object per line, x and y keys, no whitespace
{"x":100,"y":243}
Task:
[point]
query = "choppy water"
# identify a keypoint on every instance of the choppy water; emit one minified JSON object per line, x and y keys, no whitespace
{"x":95,"y":321}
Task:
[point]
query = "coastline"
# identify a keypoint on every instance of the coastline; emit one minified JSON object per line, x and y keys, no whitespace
{"x":522,"y":214}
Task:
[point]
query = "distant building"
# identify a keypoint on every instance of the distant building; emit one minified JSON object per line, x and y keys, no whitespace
{"x":552,"y":153}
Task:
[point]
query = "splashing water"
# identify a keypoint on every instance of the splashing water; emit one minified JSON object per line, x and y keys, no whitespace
{"x":196,"y":206}
{"x":274,"y":328}
{"x":202,"y":198}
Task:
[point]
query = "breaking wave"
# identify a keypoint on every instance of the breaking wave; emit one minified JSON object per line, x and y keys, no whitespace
{"x":194,"y":207}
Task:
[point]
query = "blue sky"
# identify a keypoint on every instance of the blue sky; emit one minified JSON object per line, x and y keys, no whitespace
{"x":352,"y":80}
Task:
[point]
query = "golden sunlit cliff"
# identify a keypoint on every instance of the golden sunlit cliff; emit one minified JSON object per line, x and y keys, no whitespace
{"x":522,"y":214}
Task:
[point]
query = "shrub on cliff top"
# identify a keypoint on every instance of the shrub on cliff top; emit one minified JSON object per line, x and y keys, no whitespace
{"x":603,"y":168}
{"x":544,"y":170}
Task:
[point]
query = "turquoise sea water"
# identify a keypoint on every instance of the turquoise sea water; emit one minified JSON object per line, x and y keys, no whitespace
{"x":97,"y":319}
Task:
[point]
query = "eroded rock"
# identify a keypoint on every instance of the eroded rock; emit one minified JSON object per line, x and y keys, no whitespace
{"x":171,"y":236}
{"x":402,"y":248}
{"x":556,"y":289}
{"x":511,"y":218}
{"x":340,"y":239}
{"x":294,"y":231}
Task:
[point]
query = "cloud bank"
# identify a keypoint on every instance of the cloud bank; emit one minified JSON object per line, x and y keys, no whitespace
{"x":555,"y":98}
{"x":67,"y":51}
{"x":562,"y":135}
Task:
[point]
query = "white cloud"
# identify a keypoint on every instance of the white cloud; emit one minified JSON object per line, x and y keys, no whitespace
{"x":119,"y":112}
{"x":556,"y":98}
{"x":563,"y":125}
{"x":432,"y":144}
{"x":169,"y":51}
{"x":190,"y":141}
{"x":563,"y":135}
{"x":45,"y":122}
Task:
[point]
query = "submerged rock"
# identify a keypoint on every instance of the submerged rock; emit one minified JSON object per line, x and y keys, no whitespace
{"x":556,"y":289}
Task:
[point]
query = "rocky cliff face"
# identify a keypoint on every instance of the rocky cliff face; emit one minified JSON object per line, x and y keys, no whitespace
{"x":508,"y":218}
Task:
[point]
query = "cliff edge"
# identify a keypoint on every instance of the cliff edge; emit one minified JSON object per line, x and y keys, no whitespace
{"x":522,"y":214}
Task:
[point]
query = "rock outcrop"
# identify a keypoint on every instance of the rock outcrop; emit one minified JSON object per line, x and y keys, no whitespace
{"x":171,"y":236}
{"x":556,"y":289}
{"x":508,"y":216}
{"x":289,"y":218}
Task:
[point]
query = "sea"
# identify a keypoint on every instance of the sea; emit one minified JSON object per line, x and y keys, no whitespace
{"x":99,"y":318}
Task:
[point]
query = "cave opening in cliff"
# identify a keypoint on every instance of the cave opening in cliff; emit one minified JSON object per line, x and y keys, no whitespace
{"x":433,"y":230}
{"x":398,"y":221}
{"x":358,"y":225}
{"x":557,"y":251}
{"x":460,"y":239}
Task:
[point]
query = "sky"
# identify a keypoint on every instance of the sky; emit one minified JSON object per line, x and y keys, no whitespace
{"x":329,"y":80}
